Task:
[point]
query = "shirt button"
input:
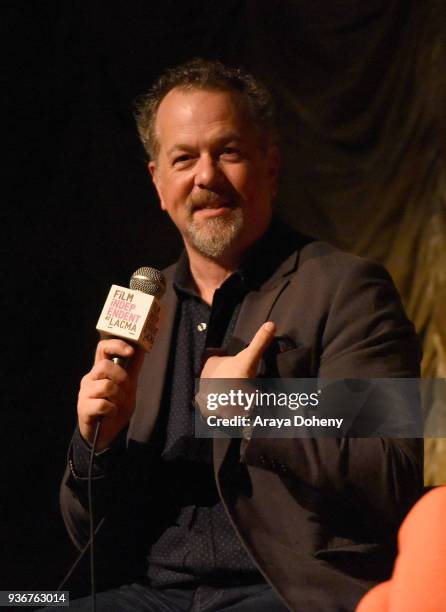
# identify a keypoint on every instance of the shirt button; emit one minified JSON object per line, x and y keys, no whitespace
{"x":201,"y":326}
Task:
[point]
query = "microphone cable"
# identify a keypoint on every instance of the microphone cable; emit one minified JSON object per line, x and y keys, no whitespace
{"x":91,"y":514}
{"x":92,"y":531}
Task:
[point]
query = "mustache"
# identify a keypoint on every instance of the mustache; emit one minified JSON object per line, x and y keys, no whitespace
{"x":213,"y":198}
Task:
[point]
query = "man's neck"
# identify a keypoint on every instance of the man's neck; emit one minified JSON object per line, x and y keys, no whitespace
{"x":209,"y":274}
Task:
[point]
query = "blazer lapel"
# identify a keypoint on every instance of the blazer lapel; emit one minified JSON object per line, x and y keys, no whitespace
{"x":256,"y":310}
{"x":153,"y":371}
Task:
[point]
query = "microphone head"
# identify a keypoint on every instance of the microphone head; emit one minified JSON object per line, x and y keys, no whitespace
{"x":148,"y":280}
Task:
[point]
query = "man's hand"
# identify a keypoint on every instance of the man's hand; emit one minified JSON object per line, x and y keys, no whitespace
{"x":108,"y":391}
{"x":242,"y":365}
{"x":245,"y":363}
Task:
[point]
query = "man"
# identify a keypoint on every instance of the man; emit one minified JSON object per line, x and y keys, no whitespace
{"x":230,"y":524}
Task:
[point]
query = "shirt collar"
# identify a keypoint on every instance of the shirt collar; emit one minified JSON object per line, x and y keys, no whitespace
{"x":184,"y":284}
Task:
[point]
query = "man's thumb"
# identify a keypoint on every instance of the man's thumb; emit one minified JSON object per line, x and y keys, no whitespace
{"x":260,"y":342}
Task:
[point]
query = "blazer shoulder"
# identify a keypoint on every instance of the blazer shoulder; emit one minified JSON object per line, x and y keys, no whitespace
{"x":325,"y":262}
{"x":310,"y":253}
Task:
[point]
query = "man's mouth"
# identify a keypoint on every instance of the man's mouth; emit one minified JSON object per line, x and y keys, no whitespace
{"x":212,"y":210}
{"x":212,"y":205}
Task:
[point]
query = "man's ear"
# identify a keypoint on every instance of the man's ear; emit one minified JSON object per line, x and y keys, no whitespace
{"x":155,"y":179}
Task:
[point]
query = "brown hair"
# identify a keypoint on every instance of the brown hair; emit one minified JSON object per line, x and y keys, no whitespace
{"x":204,"y":74}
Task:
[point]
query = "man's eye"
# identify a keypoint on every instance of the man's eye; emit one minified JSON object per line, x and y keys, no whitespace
{"x":181,"y":158}
{"x":231,"y":152}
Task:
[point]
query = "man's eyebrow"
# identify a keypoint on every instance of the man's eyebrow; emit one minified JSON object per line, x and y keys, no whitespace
{"x":228,"y":137}
{"x":179,"y":147}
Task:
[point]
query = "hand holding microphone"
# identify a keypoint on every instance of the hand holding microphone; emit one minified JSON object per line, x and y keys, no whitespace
{"x":129,"y":321}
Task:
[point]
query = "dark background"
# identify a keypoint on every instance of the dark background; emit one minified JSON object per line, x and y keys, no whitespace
{"x":360,"y":91}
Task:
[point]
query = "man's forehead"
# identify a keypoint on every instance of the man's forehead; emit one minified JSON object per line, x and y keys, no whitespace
{"x":175,"y":95}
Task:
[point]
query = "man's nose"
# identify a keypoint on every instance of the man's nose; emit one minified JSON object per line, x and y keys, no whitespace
{"x":208,"y":172}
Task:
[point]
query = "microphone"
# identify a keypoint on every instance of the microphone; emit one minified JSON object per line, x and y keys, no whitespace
{"x":132,"y":313}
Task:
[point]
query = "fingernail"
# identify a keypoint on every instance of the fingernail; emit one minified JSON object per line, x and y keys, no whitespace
{"x":269,"y":326}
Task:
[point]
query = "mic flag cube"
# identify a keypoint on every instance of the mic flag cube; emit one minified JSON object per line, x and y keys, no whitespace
{"x":131,"y":315}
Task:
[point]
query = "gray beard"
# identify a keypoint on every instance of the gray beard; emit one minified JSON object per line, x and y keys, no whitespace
{"x":213,"y":237}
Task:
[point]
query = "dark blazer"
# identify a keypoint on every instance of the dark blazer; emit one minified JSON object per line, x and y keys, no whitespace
{"x":318,"y":516}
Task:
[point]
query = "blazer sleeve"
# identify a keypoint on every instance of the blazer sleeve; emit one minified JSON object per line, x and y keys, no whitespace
{"x":106,"y":477}
{"x":365,"y":334}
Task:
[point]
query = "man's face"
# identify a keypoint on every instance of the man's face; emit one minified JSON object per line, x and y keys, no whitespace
{"x":214,"y":174}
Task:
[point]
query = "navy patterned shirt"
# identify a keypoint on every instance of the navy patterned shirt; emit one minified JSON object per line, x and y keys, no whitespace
{"x":197,"y":542}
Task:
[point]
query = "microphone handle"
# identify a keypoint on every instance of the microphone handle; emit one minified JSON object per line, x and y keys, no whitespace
{"x":124,"y":362}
